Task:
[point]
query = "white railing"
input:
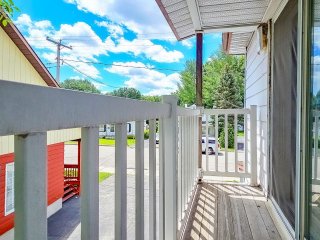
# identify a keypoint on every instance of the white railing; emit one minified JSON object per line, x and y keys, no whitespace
{"x":315,"y":149}
{"x":235,"y":163}
{"x":28,"y":112}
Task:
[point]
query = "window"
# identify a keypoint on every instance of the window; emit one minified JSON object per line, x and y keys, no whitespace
{"x":112,"y":128}
{"x":9,"y":189}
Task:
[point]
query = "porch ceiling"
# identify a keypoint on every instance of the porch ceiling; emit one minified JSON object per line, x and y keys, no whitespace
{"x":185,"y":17}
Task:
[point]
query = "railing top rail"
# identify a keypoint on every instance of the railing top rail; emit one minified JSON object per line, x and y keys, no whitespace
{"x":28,"y":108}
{"x":226,"y":111}
{"x":186,"y":112}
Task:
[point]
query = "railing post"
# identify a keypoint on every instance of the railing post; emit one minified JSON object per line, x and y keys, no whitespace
{"x":170,"y":156}
{"x":139,"y":184}
{"x":253,"y":144}
{"x":89,"y":183}
{"x":121,"y":182}
{"x":30,"y":181}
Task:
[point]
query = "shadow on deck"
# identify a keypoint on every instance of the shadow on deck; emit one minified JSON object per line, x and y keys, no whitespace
{"x":229,"y":211}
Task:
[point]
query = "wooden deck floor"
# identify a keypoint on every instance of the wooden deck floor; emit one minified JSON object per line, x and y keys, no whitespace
{"x":228,"y":211}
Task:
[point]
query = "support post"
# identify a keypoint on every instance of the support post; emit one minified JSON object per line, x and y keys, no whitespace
{"x":90,"y":183}
{"x":170,"y":156}
{"x":199,"y":63}
{"x":121,"y":182}
{"x":30,"y":181}
{"x":253,"y":145}
{"x":152,"y":181}
{"x":139,"y":175}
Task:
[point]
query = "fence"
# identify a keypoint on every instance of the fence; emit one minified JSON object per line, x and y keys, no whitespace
{"x":225,"y":123}
{"x":28,"y":112}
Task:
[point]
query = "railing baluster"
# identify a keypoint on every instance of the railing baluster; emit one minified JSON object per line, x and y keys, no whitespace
{"x":207,"y":148}
{"x":226,"y":135}
{"x":30,"y":181}
{"x":246,"y":145}
{"x":139,"y":177}
{"x":184,"y":173}
{"x":236,"y":142}
{"x":216,"y":135}
{"x":161,"y":180}
{"x":121,"y":181}
{"x":152,"y":180}
{"x":179,"y":171}
{"x":89,"y":183}
{"x":316,"y":141}
{"x":253,"y":144}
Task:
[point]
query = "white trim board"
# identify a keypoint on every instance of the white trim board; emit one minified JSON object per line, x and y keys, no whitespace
{"x":281,"y":223}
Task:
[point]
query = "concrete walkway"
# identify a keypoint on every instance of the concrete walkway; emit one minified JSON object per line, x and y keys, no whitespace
{"x":65,"y":224}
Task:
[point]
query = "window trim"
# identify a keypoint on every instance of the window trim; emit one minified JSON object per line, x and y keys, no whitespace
{"x":6,"y":213}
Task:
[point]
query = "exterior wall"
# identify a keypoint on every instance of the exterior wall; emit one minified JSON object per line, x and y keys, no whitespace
{"x":55,"y":181}
{"x":14,"y":66}
{"x":256,"y":93}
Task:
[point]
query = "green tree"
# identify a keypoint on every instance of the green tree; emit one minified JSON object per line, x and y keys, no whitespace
{"x":151,"y":98}
{"x":227,"y":94}
{"x":80,"y":85}
{"x":187,"y":88}
{"x":7,"y":9}
{"x":127,"y":93}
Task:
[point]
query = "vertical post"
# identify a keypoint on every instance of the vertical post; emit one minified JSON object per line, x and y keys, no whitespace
{"x":199,"y":63}
{"x":121,"y":181}
{"x":139,"y":175}
{"x":79,"y":161}
{"x":216,"y":136}
{"x":253,"y":144}
{"x":30,"y":181}
{"x":170,"y":170}
{"x":316,"y":145}
{"x":226,"y":142}
{"x":207,"y":143}
{"x":152,"y":180}
{"x":236,"y":168}
{"x":161,"y":180}
{"x":90,"y":183}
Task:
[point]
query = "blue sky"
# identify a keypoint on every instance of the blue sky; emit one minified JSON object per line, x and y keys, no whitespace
{"x":115,"y":42}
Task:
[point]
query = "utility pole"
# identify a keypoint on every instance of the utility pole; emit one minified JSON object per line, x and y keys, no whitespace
{"x":60,"y":45}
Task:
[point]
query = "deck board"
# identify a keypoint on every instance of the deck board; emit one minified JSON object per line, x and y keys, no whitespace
{"x":230,"y":211}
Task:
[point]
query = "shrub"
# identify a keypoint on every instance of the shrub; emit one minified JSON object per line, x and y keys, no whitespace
{"x":230,"y":138}
{"x":131,"y":136}
{"x":146,"y":134}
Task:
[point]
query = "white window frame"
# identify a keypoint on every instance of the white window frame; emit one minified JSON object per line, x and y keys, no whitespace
{"x":5,"y":192}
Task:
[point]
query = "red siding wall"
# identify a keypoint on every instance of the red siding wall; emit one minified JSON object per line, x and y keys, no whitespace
{"x":55,"y":181}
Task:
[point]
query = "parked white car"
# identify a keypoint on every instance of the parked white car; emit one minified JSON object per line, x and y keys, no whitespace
{"x":211,"y":145}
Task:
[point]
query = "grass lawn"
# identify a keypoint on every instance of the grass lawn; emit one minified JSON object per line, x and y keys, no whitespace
{"x":107,"y":142}
{"x":241,"y":134}
{"x":103,"y":176}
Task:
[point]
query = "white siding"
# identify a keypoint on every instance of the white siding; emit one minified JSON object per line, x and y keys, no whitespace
{"x":256,"y":93}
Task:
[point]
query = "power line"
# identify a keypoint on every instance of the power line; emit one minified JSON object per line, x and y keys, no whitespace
{"x":121,"y":65}
{"x":86,"y":75}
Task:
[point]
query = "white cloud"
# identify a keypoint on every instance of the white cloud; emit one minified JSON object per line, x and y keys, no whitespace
{"x":187,"y":43}
{"x":114,"y":29}
{"x":149,"y":81}
{"x":141,"y":16}
{"x":145,"y":47}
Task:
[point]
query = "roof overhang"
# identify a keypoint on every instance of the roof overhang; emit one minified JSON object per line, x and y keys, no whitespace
{"x":186,"y":17}
{"x":22,"y":44}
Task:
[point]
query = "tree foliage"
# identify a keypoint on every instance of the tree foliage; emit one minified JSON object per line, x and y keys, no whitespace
{"x":213,"y":70}
{"x":80,"y":85}
{"x":7,"y":9}
{"x":151,"y":98}
{"x":227,"y":93}
{"x":127,"y":93}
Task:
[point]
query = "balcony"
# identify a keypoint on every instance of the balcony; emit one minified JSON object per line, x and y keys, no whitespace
{"x":192,"y":205}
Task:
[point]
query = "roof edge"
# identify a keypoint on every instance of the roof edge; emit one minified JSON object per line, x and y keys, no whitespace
{"x":166,"y":16}
{"x":16,"y":36}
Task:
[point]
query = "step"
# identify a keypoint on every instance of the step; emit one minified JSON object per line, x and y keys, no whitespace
{"x":70,"y":195}
{"x":66,"y":191}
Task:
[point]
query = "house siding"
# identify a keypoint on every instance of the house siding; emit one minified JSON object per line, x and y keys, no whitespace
{"x":256,"y":93}
{"x":55,"y":181}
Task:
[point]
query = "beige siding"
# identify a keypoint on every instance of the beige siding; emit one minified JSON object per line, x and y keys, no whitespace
{"x":15,"y":67}
{"x":6,"y":142}
{"x":13,"y":64}
{"x":256,"y":93}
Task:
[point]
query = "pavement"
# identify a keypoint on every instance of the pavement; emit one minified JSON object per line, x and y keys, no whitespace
{"x":65,"y":224}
